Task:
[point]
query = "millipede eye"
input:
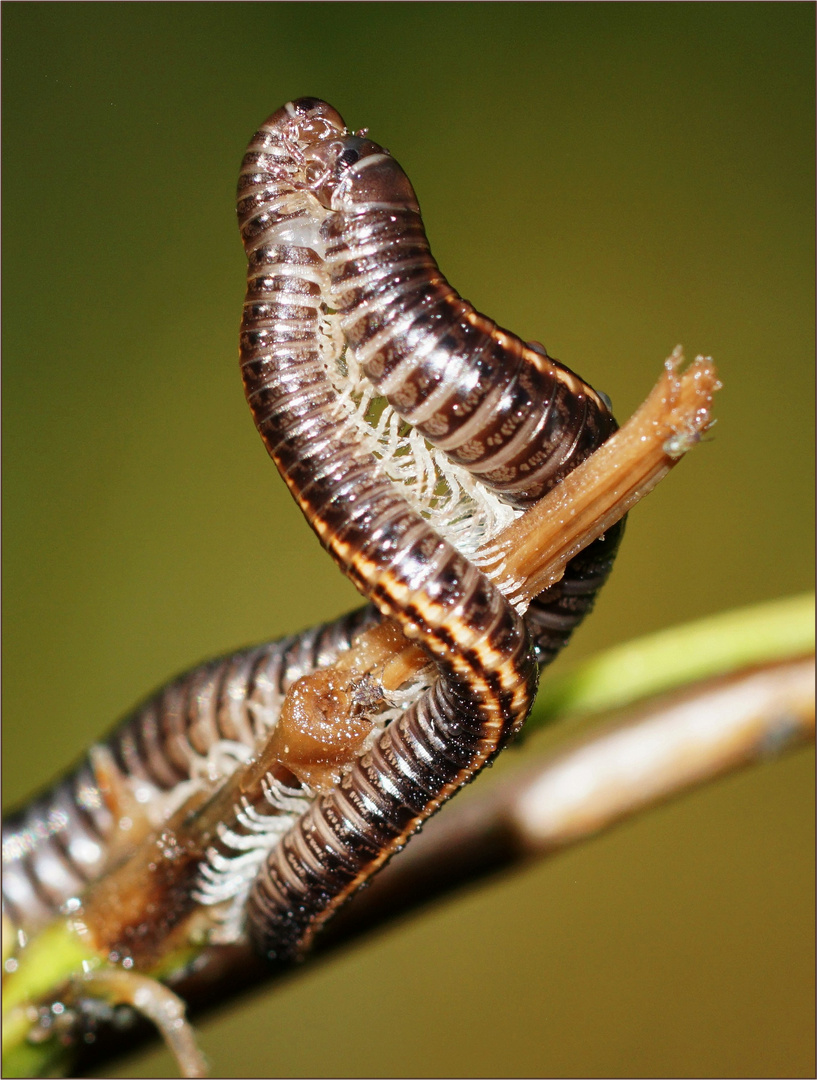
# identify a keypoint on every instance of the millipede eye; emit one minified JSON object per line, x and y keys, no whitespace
{"x":314,"y":173}
{"x":348,"y":157}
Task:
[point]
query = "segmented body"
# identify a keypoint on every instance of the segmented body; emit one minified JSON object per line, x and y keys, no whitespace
{"x":330,"y":221}
{"x":59,"y":843}
{"x":512,"y":416}
{"x":487,"y":674}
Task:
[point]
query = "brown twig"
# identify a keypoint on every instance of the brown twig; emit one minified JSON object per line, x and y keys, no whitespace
{"x":532,"y":552}
{"x":145,"y":905}
{"x":677,"y":744}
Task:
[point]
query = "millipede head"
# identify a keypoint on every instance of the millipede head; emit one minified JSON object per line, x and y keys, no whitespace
{"x":354,"y":174}
{"x":302,"y":122}
{"x":314,"y":118}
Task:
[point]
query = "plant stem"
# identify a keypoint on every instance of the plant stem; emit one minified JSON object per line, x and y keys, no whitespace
{"x":700,"y":733}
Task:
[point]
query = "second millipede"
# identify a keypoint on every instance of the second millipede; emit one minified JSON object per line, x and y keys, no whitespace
{"x":486,"y":670}
{"x":514,"y":419}
{"x":341,"y":285}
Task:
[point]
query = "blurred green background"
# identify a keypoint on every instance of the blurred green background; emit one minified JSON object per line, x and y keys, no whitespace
{"x":611,"y":179}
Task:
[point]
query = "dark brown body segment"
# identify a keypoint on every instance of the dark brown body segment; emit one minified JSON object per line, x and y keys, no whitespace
{"x":504,"y":410}
{"x":515,"y":417}
{"x":59,"y":843}
{"x":483,"y":653}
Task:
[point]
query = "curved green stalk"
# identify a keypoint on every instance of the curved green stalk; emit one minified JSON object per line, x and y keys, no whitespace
{"x":621,"y":676}
{"x":674,"y":658}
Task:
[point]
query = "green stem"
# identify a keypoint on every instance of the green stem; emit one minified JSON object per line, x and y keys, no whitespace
{"x":618,"y":677}
{"x":681,"y":655}
{"x":41,"y":973}
{"x":49,"y":960}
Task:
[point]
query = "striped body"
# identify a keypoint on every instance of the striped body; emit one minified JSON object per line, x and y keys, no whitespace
{"x":487,"y":675}
{"x":515,"y":418}
{"x":59,"y":843}
{"x":330,"y":223}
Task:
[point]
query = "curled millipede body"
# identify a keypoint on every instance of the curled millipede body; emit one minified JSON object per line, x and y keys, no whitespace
{"x":356,"y":258}
{"x":508,"y":413}
{"x":502,"y":409}
{"x":487,"y":674}
{"x":350,"y":334}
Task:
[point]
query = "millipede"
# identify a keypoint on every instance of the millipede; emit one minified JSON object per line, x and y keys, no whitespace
{"x":202,"y":724}
{"x":410,"y":429}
